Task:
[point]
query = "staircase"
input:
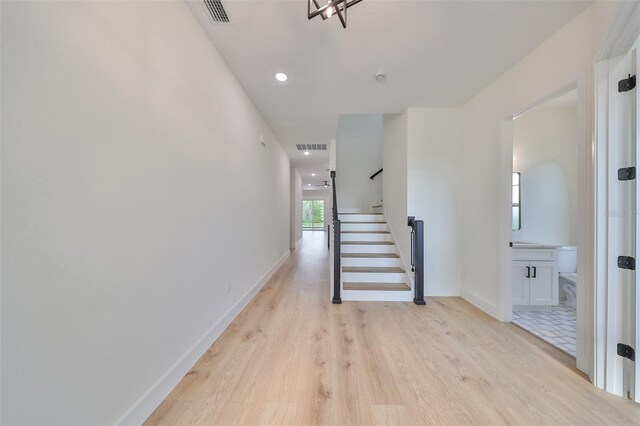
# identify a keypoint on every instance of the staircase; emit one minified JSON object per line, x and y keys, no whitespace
{"x":370,"y":265}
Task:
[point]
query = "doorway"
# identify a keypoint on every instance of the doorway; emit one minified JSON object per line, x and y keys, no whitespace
{"x":313,"y":215}
{"x":544,"y":221}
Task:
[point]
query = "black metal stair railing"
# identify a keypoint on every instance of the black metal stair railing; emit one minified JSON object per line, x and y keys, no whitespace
{"x":373,"y":176}
{"x":336,"y":244}
{"x":417,"y":258}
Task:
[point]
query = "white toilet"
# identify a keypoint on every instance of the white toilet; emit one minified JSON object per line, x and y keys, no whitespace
{"x":567,"y":266}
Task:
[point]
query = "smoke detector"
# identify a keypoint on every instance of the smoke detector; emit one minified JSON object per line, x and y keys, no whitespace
{"x":380,"y":76}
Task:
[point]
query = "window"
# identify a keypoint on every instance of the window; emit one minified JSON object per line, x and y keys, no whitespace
{"x":312,"y":215}
{"x":515,"y":202}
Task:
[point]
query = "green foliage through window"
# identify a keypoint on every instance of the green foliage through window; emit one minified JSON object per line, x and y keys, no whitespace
{"x":313,"y":214}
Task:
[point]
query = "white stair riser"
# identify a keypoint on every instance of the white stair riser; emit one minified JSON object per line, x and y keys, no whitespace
{"x":376,"y":296}
{"x":374,"y":277}
{"x":367,"y":248}
{"x":368,"y":261}
{"x":361,"y":217}
{"x":365,"y":237}
{"x":363,"y":227}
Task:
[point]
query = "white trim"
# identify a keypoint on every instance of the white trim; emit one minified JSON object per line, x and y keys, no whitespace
{"x":0,"y":210}
{"x":298,"y":243}
{"x":623,"y":31}
{"x":152,"y":399}
{"x":505,"y":225}
{"x":480,"y":303}
{"x":607,"y":366}
{"x":601,"y":187}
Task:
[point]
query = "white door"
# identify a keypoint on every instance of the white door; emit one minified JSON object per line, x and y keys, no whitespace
{"x":520,"y":282}
{"x":543,"y":286}
{"x":622,"y":228}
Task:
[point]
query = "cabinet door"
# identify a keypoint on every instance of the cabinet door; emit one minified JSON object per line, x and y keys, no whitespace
{"x":520,"y":283}
{"x":543,"y":284}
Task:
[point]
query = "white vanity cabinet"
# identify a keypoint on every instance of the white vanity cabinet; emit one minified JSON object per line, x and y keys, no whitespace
{"x":534,"y":276}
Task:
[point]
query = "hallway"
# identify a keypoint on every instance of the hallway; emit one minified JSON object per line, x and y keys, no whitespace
{"x":292,"y":357}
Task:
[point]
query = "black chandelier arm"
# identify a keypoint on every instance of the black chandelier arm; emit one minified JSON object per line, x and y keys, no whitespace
{"x":320,"y":9}
{"x":317,"y":12}
{"x":343,"y":19}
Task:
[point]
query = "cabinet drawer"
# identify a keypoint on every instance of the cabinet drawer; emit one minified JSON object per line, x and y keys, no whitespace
{"x":544,"y":255}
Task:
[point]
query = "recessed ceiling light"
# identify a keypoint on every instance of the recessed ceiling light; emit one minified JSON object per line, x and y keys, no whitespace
{"x":309,"y":184}
{"x":313,"y":174}
{"x":281,"y":76}
{"x":306,"y":153}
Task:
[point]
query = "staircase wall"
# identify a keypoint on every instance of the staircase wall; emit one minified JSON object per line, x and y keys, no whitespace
{"x":434,"y":182}
{"x":394,"y":181}
{"x":359,"y":155}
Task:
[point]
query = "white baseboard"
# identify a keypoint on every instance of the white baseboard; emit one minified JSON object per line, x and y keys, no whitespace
{"x":480,"y":303}
{"x":152,"y":399}
{"x":441,"y":291}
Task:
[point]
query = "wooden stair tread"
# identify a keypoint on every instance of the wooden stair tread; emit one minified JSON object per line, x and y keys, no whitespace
{"x":342,"y":222}
{"x":364,"y":232}
{"x":368,"y":243}
{"x":371,"y":255}
{"x":374,"y":269}
{"x":376,"y":286}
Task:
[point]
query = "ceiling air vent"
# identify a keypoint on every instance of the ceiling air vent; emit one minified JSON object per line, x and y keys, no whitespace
{"x":311,"y":146}
{"x":216,"y":10}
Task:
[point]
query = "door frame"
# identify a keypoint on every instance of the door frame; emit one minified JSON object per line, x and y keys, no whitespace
{"x":607,"y":364}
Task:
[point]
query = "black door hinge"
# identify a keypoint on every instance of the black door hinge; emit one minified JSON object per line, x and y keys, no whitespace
{"x":626,"y":351}
{"x":627,"y":262}
{"x":627,"y":173}
{"x":627,"y":84}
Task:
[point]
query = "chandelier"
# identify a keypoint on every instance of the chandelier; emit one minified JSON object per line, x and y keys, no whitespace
{"x":331,"y":8}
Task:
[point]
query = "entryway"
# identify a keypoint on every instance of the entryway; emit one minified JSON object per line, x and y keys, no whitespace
{"x":545,"y":230}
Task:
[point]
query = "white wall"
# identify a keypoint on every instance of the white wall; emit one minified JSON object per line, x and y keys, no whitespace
{"x":545,"y":152}
{"x":358,"y":156}
{"x":321,"y":194}
{"x":296,"y":208}
{"x":138,"y":206}
{"x":433,"y":187}
{"x":394,"y":181}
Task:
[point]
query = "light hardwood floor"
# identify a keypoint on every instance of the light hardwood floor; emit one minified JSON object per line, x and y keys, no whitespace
{"x":291,"y":357}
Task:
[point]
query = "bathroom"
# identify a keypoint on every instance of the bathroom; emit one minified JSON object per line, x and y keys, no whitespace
{"x":544,"y":220}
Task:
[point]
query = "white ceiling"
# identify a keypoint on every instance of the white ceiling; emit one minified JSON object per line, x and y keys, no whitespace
{"x":435,"y":54}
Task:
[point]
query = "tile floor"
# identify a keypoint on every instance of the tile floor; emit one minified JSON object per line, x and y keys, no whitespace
{"x":556,"y":326}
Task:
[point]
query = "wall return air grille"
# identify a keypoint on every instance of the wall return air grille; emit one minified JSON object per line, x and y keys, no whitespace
{"x":216,"y":10}
{"x":311,"y":146}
